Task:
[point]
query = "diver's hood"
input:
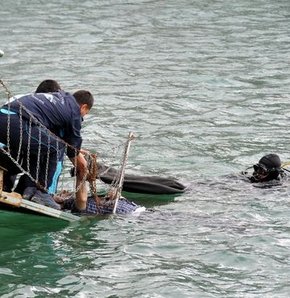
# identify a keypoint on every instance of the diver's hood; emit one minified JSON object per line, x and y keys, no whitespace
{"x":270,"y":161}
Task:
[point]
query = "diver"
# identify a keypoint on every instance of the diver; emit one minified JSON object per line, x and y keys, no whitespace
{"x":269,"y":168}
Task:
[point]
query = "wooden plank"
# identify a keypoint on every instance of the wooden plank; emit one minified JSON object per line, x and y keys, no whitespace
{"x":15,"y":199}
{"x":2,"y":170}
{"x":1,"y":180}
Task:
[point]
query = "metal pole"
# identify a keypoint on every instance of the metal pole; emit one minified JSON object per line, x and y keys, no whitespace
{"x":122,"y":172}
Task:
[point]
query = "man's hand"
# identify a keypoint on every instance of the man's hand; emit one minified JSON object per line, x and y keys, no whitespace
{"x":80,"y":164}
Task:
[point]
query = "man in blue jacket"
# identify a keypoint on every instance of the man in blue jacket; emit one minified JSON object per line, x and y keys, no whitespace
{"x":38,"y":128}
{"x":46,"y":86}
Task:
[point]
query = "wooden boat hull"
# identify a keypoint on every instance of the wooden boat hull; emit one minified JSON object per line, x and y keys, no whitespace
{"x":15,"y":200}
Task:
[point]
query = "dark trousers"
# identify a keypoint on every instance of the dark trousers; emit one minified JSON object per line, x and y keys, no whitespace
{"x":39,"y":150}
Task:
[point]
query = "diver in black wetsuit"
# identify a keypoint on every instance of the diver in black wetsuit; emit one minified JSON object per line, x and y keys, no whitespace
{"x":269,"y":168}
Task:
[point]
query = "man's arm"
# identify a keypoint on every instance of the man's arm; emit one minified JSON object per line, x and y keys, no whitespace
{"x":80,"y":164}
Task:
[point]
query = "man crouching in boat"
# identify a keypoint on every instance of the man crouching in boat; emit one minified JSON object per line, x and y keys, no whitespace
{"x":268,"y":169}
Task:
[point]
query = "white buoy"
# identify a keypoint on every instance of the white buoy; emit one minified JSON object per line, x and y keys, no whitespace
{"x":1,"y":53}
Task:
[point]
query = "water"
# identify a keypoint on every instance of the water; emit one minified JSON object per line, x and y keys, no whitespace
{"x":204,"y":85}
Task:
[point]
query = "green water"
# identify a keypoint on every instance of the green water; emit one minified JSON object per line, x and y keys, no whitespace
{"x":204,"y":85}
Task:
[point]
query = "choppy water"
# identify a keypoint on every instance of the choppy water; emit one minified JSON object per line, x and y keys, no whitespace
{"x":204,"y":85}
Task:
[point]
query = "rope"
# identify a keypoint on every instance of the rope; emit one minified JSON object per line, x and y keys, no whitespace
{"x":93,"y":176}
{"x":7,"y":91}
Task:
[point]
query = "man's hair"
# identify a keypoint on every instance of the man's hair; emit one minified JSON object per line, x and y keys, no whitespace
{"x":48,"y":86}
{"x":84,"y":97}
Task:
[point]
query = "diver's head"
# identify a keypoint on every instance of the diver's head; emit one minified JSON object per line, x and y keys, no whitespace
{"x":268,"y":168}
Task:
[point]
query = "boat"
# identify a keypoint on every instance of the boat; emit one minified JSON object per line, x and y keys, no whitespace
{"x":153,"y":185}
